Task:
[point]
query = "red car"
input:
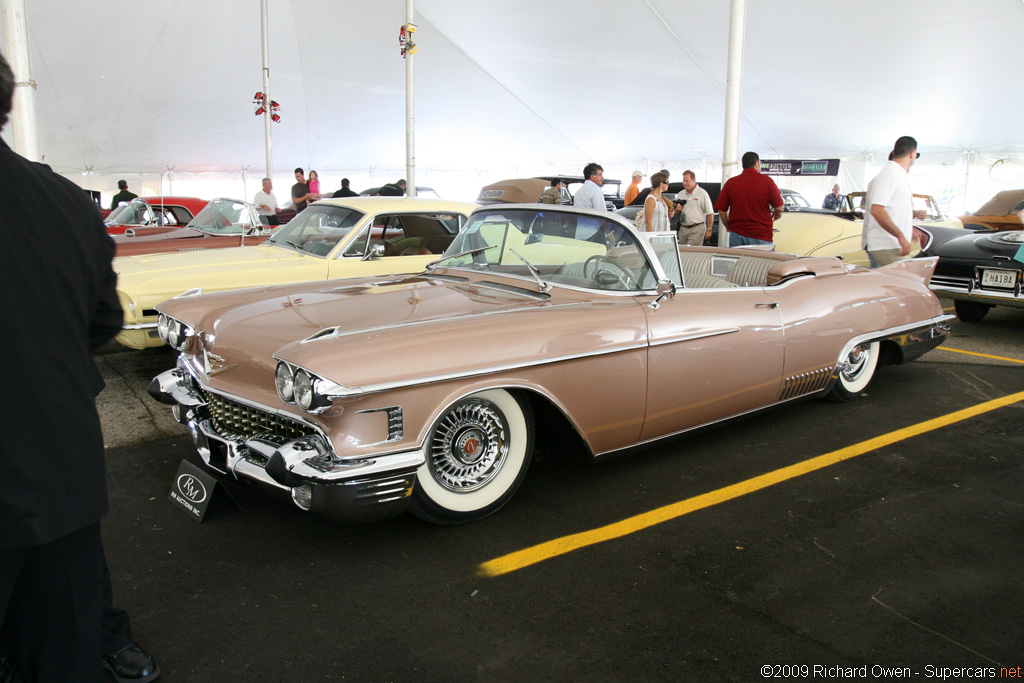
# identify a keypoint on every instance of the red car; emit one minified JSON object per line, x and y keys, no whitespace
{"x":222,"y":223}
{"x":165,"y":213}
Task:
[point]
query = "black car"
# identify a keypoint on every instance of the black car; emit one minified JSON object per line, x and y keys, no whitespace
{"x":978,"y":271}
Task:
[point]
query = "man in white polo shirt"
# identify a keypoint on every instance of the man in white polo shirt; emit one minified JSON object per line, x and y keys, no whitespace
{"x":266,"y":202}
{"x":889,"y":219}
{"x":695,"y":219}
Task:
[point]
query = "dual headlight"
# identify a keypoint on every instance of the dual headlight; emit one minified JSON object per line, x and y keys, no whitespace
{"x":173,"y":332}
{"x":300,"y":387}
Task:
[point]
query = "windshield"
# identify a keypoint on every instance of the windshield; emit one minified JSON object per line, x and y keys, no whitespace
{"x":135,"y":212}
{"x":224,"y":217}
{"x":317,"y":229}
{"x":565,"y":248}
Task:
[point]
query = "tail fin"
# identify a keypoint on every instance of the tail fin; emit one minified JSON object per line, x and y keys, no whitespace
{"x":922,"y":268}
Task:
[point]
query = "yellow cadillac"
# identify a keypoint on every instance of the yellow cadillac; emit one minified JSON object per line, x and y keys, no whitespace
{"x":332,"y":238}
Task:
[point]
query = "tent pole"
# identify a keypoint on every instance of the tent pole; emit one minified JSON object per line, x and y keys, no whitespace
{"x":14,"y":17}
{"x":733,"y":78}
{"x":266,"y":88}
{"x":410,"y":112}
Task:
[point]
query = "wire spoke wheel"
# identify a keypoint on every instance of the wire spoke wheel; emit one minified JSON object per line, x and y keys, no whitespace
{"x":469,"y":447}
{"x":477,"y":454}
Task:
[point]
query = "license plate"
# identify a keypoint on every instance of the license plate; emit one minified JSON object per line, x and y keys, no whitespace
{"x":1004,"y":279}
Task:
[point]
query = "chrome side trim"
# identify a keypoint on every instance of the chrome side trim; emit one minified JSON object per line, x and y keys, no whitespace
{"x":892,"y":331}
{"x":140,"y":326}
{"x":695,"y":335}
{"x":434,"y":379}
{"x":805,"y":383}
{"x":338,"y":332}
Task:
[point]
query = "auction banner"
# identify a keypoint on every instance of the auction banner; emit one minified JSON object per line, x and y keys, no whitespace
{"x":818,"y":167}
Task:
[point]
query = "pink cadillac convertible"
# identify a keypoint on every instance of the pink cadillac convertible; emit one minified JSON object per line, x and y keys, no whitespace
{"x":365,"y":398}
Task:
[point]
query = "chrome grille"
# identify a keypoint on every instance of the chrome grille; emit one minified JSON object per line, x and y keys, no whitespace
{"x":805,"y":383}
{"x":232,"y":418}
{"x":950,"y":281}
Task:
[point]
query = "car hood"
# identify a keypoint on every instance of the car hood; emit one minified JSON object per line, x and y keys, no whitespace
{"x":145,"y":276}
{"x":375,"y":331}
{"x":982,"y":245}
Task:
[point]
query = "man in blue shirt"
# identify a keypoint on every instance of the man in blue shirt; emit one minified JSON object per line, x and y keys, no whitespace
{"x":834,"y":200}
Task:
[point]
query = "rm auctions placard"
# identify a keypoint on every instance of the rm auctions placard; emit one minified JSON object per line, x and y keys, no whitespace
{"x":192,"y":490}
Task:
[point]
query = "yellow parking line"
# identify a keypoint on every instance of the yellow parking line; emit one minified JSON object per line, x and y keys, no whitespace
{"x":983,"y":355}
{"x":561,"y":546}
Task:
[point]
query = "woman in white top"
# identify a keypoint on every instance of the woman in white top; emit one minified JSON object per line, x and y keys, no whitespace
{"x":655,"y":210}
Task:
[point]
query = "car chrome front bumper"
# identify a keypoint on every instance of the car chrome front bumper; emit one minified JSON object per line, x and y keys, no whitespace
{"x":354,"y":489}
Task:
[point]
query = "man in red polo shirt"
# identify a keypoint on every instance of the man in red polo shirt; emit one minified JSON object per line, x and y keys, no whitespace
{"x":748,"y":205}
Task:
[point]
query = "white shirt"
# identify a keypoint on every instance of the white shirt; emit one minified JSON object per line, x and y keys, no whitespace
{"x":590,"y":196}
{"x":264,"y":198}
{"x":698,"y":206}
{"x":891,"y":190}
{"x":659,"y":214}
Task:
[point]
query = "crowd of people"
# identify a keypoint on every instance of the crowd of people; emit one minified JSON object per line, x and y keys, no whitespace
{"x":305,"y":191}
{"x":747,"y":206}
{"x":750,"y":203}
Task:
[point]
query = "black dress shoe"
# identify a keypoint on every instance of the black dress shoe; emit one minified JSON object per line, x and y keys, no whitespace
{"x":6,"y":670}
{"x":131,"y":665}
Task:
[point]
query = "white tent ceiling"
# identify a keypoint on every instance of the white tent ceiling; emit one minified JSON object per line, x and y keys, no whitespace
{"x":509,"y":85}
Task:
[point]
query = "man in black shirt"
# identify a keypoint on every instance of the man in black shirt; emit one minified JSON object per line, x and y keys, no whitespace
{"x":300,"y":191}
{"x":345,"y":190}
{"x":395,"y":189}
{"x":123,"y":196}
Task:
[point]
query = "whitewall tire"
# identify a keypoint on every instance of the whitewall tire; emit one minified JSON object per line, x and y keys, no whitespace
{"x":857,"y":372}
{"x":477,"y":454}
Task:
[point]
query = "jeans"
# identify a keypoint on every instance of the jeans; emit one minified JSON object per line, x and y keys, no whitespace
{"x":743,"y":241}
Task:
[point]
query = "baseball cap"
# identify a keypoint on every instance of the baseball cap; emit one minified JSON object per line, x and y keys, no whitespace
{"x":638,"y":173}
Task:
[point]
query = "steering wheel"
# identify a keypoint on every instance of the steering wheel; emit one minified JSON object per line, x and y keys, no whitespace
{"x":621,"y":275}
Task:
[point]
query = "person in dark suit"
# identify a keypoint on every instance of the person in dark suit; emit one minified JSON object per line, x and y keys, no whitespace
{"x":345,"y":190}
{"x":61,"y":305}
{"x":123,"y":196}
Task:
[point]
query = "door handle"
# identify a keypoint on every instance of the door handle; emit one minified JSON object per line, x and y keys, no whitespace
{"x":767,"y":304}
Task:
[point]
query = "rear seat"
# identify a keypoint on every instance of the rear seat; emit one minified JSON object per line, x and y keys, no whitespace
{"x":696,"y":262}
{"x":750,"y":271}
{"x":702,"y":281}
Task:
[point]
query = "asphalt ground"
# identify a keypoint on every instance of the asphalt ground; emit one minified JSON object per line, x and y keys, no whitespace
{"x":704,"y":559}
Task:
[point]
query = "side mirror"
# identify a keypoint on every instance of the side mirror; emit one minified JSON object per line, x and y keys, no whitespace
{"x":376,"y":251}
{"x":666,"y":290}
